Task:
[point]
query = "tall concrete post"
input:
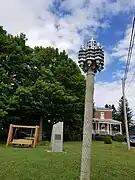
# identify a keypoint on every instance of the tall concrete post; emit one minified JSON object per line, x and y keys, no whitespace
{"x":87,"y":128}
{"x":91,"y":60}
{"x":125,"y":114}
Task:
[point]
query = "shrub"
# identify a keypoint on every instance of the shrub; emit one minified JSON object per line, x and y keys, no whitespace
{"x":107,"y":139}
{"x":44,"y":143}
{"x":99,"y":137}
{"x":119,"y":138}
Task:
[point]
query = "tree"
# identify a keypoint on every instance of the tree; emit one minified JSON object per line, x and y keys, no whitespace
{"x":39,"y":84}
{"x":60,"y":73}
{"x":120,"y":113}
{"x":106,"y":106}
{"x":13,"y":56}
{"x":114,"y":112}
{"x":110,"y":107}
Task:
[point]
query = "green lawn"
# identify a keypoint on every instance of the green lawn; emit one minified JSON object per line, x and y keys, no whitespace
{"x":109,"y":162}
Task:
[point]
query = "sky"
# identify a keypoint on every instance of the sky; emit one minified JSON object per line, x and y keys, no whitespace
{"x":68,"y":24}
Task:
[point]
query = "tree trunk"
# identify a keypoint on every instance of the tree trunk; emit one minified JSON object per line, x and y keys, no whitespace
{"x":41,"y":129}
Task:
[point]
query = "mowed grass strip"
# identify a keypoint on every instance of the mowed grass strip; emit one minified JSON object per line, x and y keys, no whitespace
{"x":109,"y":162}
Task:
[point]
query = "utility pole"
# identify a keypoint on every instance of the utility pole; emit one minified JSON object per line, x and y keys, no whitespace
{"x":91,"y":60}
{"x":125,"y":114}
{"x":87,"y":127}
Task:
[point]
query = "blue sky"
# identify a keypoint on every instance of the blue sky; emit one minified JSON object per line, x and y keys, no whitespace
{"x":109,"y":38}
{"x":68,"y":24}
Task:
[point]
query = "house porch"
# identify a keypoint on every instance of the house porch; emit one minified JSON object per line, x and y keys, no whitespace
{"x":104,"y":127}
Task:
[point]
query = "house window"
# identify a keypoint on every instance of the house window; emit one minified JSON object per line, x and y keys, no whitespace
{"x":102,"y":115}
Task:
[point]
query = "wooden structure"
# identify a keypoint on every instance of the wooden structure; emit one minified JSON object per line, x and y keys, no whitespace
{"x":22,"y":142}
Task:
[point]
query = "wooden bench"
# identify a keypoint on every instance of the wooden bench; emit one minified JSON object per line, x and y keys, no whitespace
{"x":22,"y":142}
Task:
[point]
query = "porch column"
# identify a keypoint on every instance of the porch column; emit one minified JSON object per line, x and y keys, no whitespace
{"x":110,"y":129}
{"x":98,"y":127}
{"x":93,"y":131}
{"x":120,"y":128}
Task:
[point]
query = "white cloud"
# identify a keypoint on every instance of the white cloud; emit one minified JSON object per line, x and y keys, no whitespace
{"x":120,"y":6}
{"x":13,"y":16}
{"x":106,"y":92}
{"x":111,"y":92}
{"x":121,"y":49}
{"x":34,"y":18}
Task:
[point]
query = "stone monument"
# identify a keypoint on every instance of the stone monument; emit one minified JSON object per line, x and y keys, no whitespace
{"x":57,"y":137}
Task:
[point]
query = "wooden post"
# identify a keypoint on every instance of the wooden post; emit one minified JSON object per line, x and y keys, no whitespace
{"x":10,"y":134}
{"x":36,"y":136}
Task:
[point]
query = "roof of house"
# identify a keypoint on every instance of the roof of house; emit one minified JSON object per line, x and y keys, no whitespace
{"x":108,"y":121}
{"x":102,"y":109}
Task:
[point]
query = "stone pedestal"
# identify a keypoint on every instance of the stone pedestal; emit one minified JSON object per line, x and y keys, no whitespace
{"x":57,"y":137}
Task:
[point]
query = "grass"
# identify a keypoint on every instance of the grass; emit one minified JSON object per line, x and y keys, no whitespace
{"x":109,"y":162}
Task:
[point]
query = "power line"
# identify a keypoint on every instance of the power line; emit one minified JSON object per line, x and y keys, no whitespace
{"x":131,"y":82}
{"x":129,"y":51}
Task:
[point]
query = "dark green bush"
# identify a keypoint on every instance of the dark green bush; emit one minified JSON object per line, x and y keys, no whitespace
{"x":107,"y":139}
{"x":119,"y":138}
{"x":99,"y":137}
{"x":44,"y":143}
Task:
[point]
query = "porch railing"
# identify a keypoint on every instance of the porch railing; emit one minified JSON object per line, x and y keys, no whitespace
{"x":105,"y":132}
